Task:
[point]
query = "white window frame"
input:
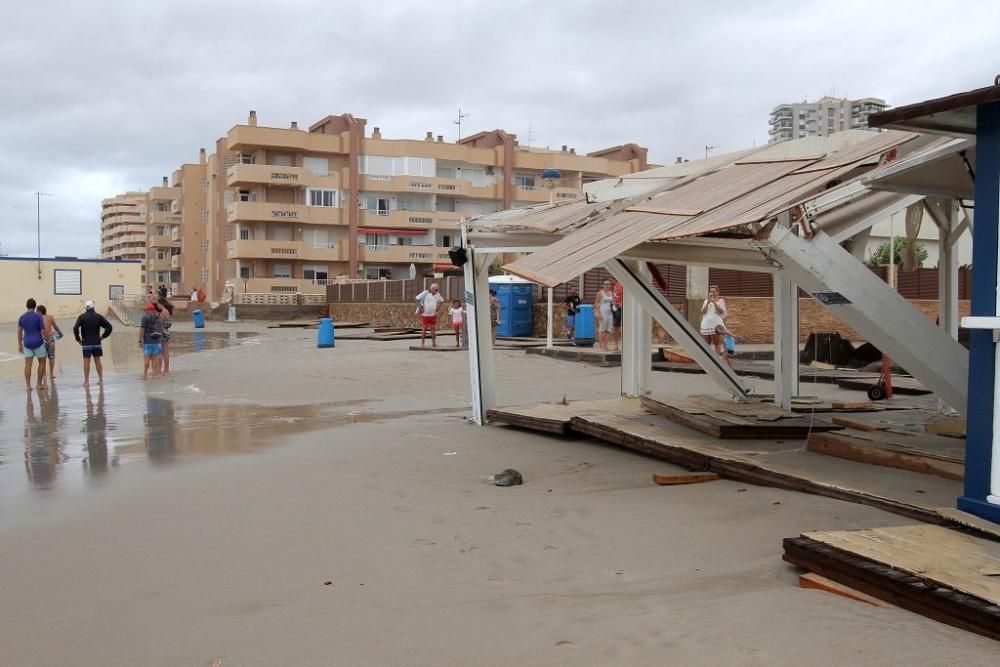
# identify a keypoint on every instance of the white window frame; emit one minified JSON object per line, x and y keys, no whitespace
{"x":70,"y":278}
{"x":327,"y":198}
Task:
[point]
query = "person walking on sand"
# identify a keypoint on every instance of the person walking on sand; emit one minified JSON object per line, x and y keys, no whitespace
{"x":150,"y":340}
{"x":494,"y":314}
{"x":31,"y":344}
{"x":166,"y":312}
{"x":429,"y":300}
{"x":51,"y":333}
{"x":713,"y":313}
{"x":90,"y":329}
{"x":457,"y":313}
{"x":603,"y":302}
{"x":194,"y":295}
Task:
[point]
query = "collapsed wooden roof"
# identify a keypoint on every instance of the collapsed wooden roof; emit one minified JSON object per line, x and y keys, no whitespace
{"x":692,"y":199}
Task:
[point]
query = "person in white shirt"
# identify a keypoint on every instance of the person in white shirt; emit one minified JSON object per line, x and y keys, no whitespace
{"x":457,"y":313}
{"x":713,"y":314}
{"x":430,"y":300}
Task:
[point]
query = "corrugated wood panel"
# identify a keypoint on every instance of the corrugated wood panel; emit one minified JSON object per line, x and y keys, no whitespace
{"x":741,"y":283}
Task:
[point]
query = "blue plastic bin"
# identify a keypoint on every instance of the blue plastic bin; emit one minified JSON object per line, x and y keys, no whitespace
{"x":583,"y":333}
{"x":516,"y":303}
{"x":199,"y":319}
{"x":325,"y":335}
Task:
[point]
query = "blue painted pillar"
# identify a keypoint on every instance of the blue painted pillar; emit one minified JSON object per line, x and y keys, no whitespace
{"x":979,"y":449}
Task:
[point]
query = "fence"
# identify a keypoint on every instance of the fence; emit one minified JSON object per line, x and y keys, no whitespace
{"x":268,"y":299}
{"x":919,"y":284}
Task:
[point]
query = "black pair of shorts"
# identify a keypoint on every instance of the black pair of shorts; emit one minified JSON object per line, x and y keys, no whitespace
{"x":92,"y":351}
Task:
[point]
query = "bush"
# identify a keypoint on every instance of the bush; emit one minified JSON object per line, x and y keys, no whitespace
{"x":881,"y":255}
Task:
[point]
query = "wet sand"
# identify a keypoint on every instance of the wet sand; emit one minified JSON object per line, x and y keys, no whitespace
{"x":199,"y":518}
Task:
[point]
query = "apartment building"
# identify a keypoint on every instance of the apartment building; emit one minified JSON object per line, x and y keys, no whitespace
{"x":287,"y":210}
{"x":821,"y":118}
{"x":304,"y":207}
{"x":123,"y":228}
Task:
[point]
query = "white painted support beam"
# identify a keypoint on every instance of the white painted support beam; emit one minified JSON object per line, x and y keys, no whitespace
{"x":548,"y":327}
{"x":688,"y":254}
{"x":875,"y":311}
{"x":636,"y":338}
{"x":477,"y":302}
{"x":786,"y":341}
{"x":870,"y":221}
{"x":948,"y":272}
{"x":679,"y":329}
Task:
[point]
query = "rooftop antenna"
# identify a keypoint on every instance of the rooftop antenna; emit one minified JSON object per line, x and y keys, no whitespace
{"x":458,"y":121}
{"x":709,"y":149}
{"x":38,"y":227}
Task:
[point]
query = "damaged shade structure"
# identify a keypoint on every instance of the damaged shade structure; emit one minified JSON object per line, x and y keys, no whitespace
{"x":783,"y":209}
{"x":967,"y":167}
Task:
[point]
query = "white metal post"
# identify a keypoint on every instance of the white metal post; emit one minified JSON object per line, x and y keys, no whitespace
{"x":548,"y":327}
{"x":636,"y":338}
{"x":948,"y":273}
{"x":477,"y":303}
{"x":786,"y":341}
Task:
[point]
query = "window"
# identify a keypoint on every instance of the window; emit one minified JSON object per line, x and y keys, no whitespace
{"x":67,"y":281}
{"x":162,"y":206}
{"x":204,"y":274}
{"x":315,"y":272}
{"x":248,"y":159}
{"x":325,"y":198}
{"x":246,"y":195}
{"x":228,"y":197}
{"x":245,"y":272}
{"x":281,"y":270}
{"x":204,"y":245}
{"x":228,"y":233}
{"x":204,"y":216}
{"x":161,"y":254}
{"x":115,"y":291}
{"x":245,"y":234}
{"x":524,"y":182}
{"x":161,"y":230}
{"x":379,"y":165}
{"x":229,"y":160}
{"x":403,"y":204}
{"x":204,"y":185}
{"x":404,"y":240}
{"x":377,"y":205}
{"x":446,"y":241}
{"x":317,"y":165}
{"x":282,"y":160}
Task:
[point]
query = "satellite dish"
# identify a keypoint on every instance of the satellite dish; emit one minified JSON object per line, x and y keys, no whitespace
{"x":413,"y":271}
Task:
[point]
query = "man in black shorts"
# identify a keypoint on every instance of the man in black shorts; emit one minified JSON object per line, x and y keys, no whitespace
{"x":90,"y":329}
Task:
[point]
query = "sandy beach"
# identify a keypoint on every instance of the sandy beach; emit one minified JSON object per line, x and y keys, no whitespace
{"x":274,"y":504}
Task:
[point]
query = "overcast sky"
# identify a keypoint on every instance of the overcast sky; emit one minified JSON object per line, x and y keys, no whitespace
{"x":102,"y":97}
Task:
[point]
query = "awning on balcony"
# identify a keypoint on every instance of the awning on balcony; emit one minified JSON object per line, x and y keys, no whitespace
{"x":385,"y":230}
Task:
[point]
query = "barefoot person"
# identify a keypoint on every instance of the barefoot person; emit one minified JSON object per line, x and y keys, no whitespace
{"x":572,"y":308}
{"x":429,"y":300}
{"x":90,"y":329}
{"x":166,"y":311}
{"x":31,"y":344}
{"x":456,"y":320}
{"x":494,"y":315}
{"x":151,"y":330}
{"x":51,"y":333}
{"x":603,"y":302}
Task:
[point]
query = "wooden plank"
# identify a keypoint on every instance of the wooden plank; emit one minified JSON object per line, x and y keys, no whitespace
{"x":886,"y":454}
{"x":851,"y":405}
{"x":723,"y":419}
{"x":555,"y":417}
{"x":953,"y":428}
{"x":909,"y":590}
{"x":858,"y":424}
{"x":817,"y":582}
{"x":689,"y":478}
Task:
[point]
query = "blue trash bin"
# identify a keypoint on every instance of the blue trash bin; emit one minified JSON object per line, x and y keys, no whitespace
{"x":583,"y":333}
{"x":199,"y":319}
{"x":325,"y":335}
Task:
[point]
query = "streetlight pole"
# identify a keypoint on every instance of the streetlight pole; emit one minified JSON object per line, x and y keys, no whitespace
{"x":38,"y":227}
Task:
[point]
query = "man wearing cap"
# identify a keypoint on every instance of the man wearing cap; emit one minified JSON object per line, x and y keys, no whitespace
{"x":90,"y":329}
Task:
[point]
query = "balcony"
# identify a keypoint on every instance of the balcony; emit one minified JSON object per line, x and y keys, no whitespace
{"x":161,"y":218}
{"x":161,"y":192}
{"x":175,"y":261}
{"x":154,"y":264}
{"x":402,"y":254}
{"x":269,"y":174}
{"x":542,"y":194}
{"x":284,"y":250}
{"x":175,"y":207}
{"x":175,"y":234}
{"x":120,"y":210}
{"x":410,"y":219}
{"x":277,"y":286}
{"x":250,"y":211}
{"x":442,"y":186}
{"x":162,"y":241}
{"x":246,"y":138}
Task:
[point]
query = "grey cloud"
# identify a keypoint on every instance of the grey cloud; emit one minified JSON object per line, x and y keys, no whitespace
{"x":101,"y":97}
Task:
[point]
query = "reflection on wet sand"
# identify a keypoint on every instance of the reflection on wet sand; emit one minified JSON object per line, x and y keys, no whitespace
{"x":43,"y":448}
{"x":95,"y":426}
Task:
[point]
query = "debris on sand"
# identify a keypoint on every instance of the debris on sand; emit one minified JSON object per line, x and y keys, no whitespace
{"x":508,"y":477}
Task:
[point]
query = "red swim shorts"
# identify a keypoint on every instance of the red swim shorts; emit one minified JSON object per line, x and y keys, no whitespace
{"x":429,"y":320}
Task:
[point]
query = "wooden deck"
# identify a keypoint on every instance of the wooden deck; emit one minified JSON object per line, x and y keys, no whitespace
{"x":942,"y":574}
{"x":769,"y":462}
{"x":721,"y":418}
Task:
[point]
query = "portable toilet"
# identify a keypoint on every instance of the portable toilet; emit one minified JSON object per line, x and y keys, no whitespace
{"x":516,"y":296}
{"x":583,"y":331}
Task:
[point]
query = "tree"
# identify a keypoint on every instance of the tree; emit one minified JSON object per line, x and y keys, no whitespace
{"x":496,"y":267}
{"x":881,"y":255}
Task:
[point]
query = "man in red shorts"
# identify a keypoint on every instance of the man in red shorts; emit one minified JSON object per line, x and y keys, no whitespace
{"x":430,"y":300}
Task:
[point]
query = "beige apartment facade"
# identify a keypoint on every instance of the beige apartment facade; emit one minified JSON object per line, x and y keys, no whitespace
{"x":288,"y":210}
{"x":307,"y":207}
{"x":123,"y":228}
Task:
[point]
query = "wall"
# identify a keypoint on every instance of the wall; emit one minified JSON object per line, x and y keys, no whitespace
{"x":19,"y":277}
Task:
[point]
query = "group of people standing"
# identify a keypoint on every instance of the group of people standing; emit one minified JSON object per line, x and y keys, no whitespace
{"x":154,"y":337}
{"x":429,"y":302}
{"x":38,"y":331}
{"x":607,"y":315}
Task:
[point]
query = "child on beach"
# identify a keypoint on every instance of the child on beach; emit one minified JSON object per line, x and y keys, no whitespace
{"x":729,"y":340}
{"x":457,"y":312}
